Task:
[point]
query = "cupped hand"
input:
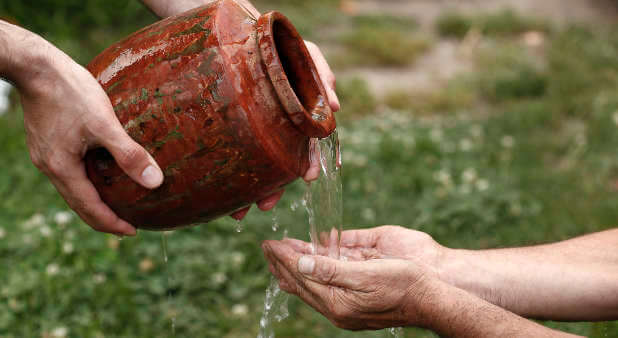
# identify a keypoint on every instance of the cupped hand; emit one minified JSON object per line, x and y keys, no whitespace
{"x":66,"y":112}
{"x":353,"y":295}
{"x":385,"y":242}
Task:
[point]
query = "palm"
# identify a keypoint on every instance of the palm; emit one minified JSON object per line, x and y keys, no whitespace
{"x":389,"y":242}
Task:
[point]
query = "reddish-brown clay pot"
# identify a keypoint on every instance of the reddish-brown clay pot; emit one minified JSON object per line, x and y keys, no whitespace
{"x":225,"y":103}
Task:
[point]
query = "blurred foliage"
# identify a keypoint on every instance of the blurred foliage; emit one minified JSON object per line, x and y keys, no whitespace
{"x":355,"y":98}
{"x":537,"y":165}
{"x":380,"y":40}
{"x":83,"y":28}
{"x":510,"y":74}
{"x":457,"y":95}
{"x":504,"y":23}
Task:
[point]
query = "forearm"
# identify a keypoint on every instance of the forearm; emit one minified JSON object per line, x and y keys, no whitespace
{"x":570,"y":280}
{"x":24,"y":56}
{"x":165,"y":8}
{"x":452,"y":312}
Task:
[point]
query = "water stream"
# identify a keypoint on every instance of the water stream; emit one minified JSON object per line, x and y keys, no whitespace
{"x":323,"y":203}
{"x":323,"y":199}
{"x":169,"y":282}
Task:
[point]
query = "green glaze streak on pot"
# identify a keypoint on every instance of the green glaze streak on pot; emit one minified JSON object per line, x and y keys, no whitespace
{"x":116,"y":84}
{"x":204,"y":68}
{"x":121,"y":106}
{"x":194,"y":48}
{"x":153,"y":33}
{"x":144,"y":96}
{"x":198,"y":27}
{"x":172,"y":135}
{"x":145,"y":117}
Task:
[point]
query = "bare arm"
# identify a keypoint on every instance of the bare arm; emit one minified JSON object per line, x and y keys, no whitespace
{"x":379,"y":293}
{"x":165,"y":8}
{"x":575,"y":279}
{"x":453,"y":312}
{"x":66,"y":112}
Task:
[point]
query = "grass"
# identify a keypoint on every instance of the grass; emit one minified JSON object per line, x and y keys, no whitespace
{"x":538,"y":166}
{"x":504,"y":23}
{"x":380,"y":40}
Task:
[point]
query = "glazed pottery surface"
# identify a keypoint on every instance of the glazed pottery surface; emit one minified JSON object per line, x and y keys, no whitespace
{"x":224,"y":102}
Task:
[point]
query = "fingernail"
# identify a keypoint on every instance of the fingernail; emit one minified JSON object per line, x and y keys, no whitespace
{"x":306,"y":265}
{"x":152,"y":176}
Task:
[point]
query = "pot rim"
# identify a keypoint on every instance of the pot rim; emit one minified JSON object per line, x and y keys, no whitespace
{"x":294,"y":75}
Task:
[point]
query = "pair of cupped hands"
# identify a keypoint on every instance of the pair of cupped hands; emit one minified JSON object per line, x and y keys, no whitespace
{"x":66,"y":113}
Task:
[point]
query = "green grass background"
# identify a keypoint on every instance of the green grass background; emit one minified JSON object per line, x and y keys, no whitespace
{"x":518,"y":151}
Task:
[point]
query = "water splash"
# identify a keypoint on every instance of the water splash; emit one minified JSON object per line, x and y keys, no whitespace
{"x":275,"y":301}
{"x":396,"y":332}
{"x":275,"y":225}
{"x":275,"y":309}
{"x":169,"y":281}
{"x":323,"y":203}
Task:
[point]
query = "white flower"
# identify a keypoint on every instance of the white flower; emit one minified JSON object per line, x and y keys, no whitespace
{"x":63,"y":217}
{"x":482,"y":184}
{"x":507,"y":141}
{"x":219,"y":278}
{"x":35,"y":221}
{"x":67,"y":248}
{"x":615,"y":117}
{"x":436,"y":135}
{"x":476,"y":131}
{"x":368,"y":214}
{"x":2,"y":232}
{"x":469,"y":175}
{"x":60,"y":332}
{"x":45,"y":231}
{"x":533,"y":38}
{"x":52,"y":269}
{"x":465,"y":145}
{"x":99,"y":278}
{"x":240,"y":310}
{"x":237,"y":258}
{"x":442,"y":176}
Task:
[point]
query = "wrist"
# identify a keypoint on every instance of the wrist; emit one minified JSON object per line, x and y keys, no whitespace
{"x":25,"y":57}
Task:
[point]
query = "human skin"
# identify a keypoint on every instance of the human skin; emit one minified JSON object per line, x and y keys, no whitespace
{"x":390,"y":292}
{"x":66,"y":112}
{"x":572,"y":280}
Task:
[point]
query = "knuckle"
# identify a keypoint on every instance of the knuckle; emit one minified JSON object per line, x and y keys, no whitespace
{"x":36,"y":160}
{"x":327,"y":273}
{"x":130,"y":155}
{"x":98,"y":125}
{"x":55,"y":165}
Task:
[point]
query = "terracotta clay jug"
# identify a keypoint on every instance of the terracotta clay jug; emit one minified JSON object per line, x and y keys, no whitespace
{"x":225,"y":103}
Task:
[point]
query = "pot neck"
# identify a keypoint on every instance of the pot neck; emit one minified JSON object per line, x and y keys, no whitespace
{"x":294,"y":76}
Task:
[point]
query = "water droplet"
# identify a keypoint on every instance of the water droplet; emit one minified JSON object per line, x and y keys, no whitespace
{"x":396,"y":332}
{"x":275,"y":225}
{"x":238,"y":226}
